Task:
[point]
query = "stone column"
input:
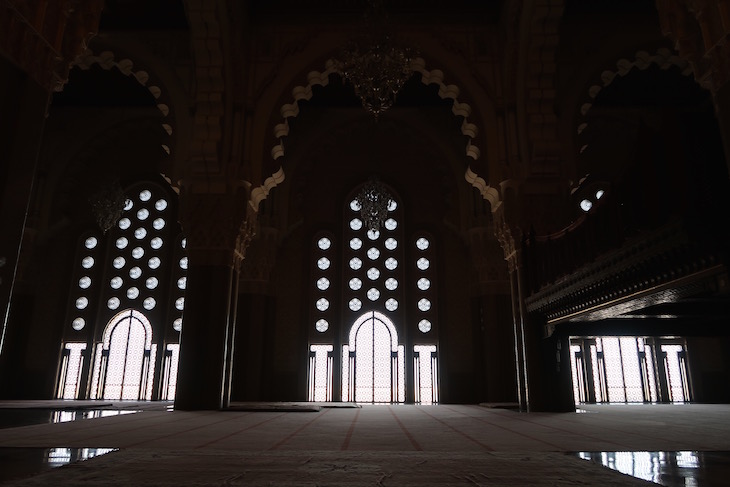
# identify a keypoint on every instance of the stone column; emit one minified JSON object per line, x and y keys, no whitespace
{"x":218,"y":228}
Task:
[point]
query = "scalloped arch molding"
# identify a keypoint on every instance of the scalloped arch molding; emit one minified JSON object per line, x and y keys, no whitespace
{"x":106,"y":60}
{"x":664,"y":58}
{"x":428,"y":77}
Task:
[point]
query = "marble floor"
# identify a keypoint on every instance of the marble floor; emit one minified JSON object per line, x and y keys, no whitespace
{"x":282,"y":444}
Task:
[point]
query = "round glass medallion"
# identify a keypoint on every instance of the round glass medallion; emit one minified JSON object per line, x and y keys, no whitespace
{"x":322,"y":304}
{"x":323,"y":283}
{"x":424,"y":304}
{"x":355,"y":284}
{"x":132,"y":293}
{"x":355,"y":304}
{"x":113,"y":303}
{"x":422,"y":243}
{"x":149,"y":303}
{"x":128,"y":204}
{"x":391,"y":224}
{"x":140,"y":233}
{"x":137,"y":252}
{"x":135,"y":272}
{"x":116,"y":282}
{"x":87,"y":262}
{"x":373,"y":294}
{"x":355,"y":263}
{"x":151,"y":282}
{"x":391,"y":304}
{"x":423,"y":284}
{"x":143,"y":213}
{"x":154,"y":262}
{"x":321,"y":325}
{"x":156,"y":243}
{"x":391,"y":263}
{"x":145,"y":195}
{"x":391,"y":284}
{"x":177,"y":324}
{"x":78,"y":324}
{"x":355,"y":244}
{"x":373,"y":273}
{"x":158,"y":223}
{"x":424,"y":326}
{"x":160,"y":205}
{"x":180,"y":304}
{"x":373,"y":253}
{"x":324,"y":243}
{"x":90,"y":242}
{"x":124,"y":223}
{"x":323,"y":263}
{"x":423,"y":263}
{"x":373,"y":234}
{"x":119,"y":262}
{"x":356,"y":224}
{"x":355,"y":205}
{"x":85,"y":282}
{"x":122,"y":242}
{"x":391,"y":243}
{"x":184,"y":263}
{"x":182,"y":283}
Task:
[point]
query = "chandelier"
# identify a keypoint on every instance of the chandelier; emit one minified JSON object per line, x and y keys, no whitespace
{"x":375,"y":63}
{"x":374,"y":202}
{"x":107,"y":204}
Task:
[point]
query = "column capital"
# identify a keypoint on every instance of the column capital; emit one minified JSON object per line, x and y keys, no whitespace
{"x":218,"y":222}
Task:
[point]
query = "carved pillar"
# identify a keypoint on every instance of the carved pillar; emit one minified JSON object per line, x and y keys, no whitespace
{"x":218,"y":227}
{"x":38,"y":41}
{"x":512,"y":256}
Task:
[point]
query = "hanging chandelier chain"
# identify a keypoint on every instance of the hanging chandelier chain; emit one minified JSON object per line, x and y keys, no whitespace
{"x":374,"y":201}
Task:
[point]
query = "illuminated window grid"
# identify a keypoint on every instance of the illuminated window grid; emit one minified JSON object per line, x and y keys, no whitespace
{"x":425,"y":374}
{"x":320,"y":372}
{"x":72,"y":365}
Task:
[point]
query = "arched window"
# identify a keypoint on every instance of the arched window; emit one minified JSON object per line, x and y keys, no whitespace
{"x":374,"y":299}
{"x":138,"y":266}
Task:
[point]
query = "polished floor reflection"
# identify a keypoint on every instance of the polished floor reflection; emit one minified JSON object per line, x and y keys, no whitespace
{"x":668,"y":468}
{"x":18,"y":463}
{"x":12,"y":418}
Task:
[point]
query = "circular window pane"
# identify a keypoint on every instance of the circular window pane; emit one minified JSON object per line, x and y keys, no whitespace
{"x":373,"y":273}
{"x":116,"y":282}
{"x":177,"y":324}
{"x":355,"y":284}
{"x":124,"y":223}
{"x":143,"y":214}
{"x":85,"y":282}
{"x":355,"y":304}
{"x":356,"y":224}
{"x":586,"y":205}
{"x":154,"y":262}
{"x":180,"y":303}
{"x":391,"y":263}
{"x":355,"y":205}
{"x":373,"y":234}
{"x":392,"y":205}
{"x":423,"y":284}
{"x":118,"y":262}
{"x":145,"y":195}
{"x":323,"y":304}
{"x":391,"y":284}
{"x":132,"y":293}
{"x":324,"y":243}
{"x":128,"y":204}
{"x":599,"y":194}
{"x":182,"y":283}
{"x":113,"y":303}
{"x":78,"y":324}
{"x":160,"y":205}
{"x":422,"y":243}
{"x":424,"y":326}
{"x":151,"y":282}
{"x":424,"y":304}
{"x":156,"y":243}
{"x":158,"y":223}
{"x":355,"y":244}
{"x":323,"y":283}
{"x":184,"y":263}
{"x":184,"y":243}
{"x":87,"y":262}
{"x":122,"y":242}
{"x":391,"y":304}
{"x":373,"y":253}
{"x":140,"y":233}
{"x":90,"y":242}
{"x":423,"y":263}
{"x":135,"y":272}
{"x":373,"y":294}
{"x":82,"y":302}
{"x":355,"y":263}
{"x":391,"y":224}
{"x":149,"y":303}
{"x":323,"y":263}
{"x":391,"y":243}
{"x":321,"y":326}
{"x":137,"y":252}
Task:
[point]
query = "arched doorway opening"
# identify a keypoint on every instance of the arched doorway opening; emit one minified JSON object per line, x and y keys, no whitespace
{"x":373,"y":362}
{"x":122,"y":367}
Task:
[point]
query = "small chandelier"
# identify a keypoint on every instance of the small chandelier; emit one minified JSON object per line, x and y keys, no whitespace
{"x":375,"y":64}
{"x":374,"y":202}
{"x":107,"y":204}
